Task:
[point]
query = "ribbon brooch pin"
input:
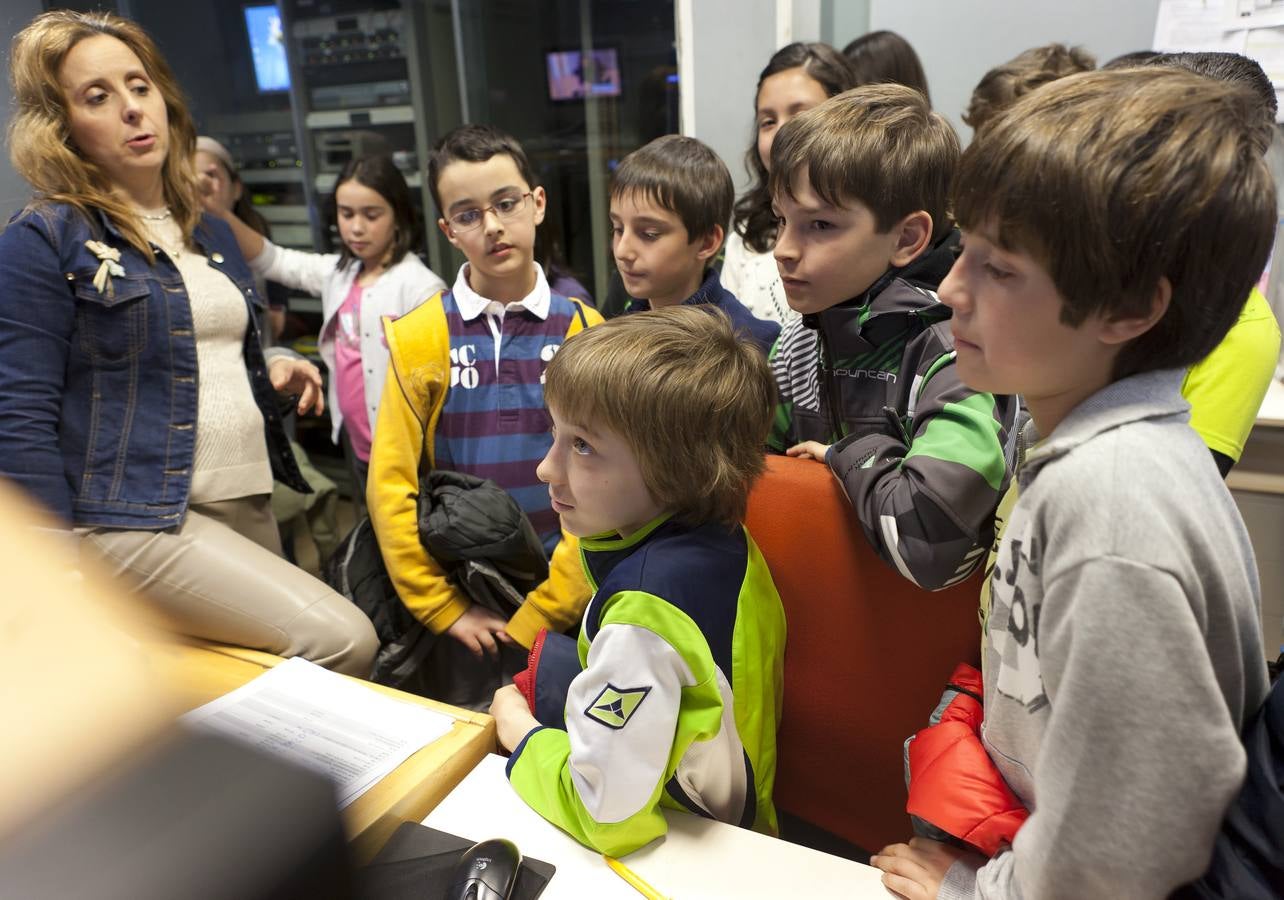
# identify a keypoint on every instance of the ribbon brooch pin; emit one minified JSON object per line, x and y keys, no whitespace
{"x":110,"y":265}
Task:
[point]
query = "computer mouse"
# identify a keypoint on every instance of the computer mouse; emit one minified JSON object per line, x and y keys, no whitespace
{"x":486,"y":871}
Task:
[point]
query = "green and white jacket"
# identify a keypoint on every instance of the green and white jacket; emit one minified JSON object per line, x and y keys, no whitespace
{"x":678,"y":702}
{"x":923,"y":458}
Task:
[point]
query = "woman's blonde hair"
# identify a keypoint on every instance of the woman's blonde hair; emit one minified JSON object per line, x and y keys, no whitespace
{"x":40,"y":145}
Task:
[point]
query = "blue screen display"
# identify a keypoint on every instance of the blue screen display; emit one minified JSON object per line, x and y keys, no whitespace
{"x":267,"y":45}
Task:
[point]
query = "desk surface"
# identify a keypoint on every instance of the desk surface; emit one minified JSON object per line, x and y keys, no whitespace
{"x":697,"y":858}
{"x":203,"y":672}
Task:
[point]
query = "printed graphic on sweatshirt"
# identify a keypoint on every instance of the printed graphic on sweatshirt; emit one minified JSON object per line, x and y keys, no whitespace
{"x":463,"y":367}
{"x":1014,"y":622}
{"x":613,"y":707}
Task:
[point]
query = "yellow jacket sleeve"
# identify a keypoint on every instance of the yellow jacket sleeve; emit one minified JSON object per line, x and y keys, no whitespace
{"x":1226,"y":388}
{"x":414,"y":394}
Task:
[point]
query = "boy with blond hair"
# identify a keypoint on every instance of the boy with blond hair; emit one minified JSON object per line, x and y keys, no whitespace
{"x":465,"y":389}
{"x":867,"y":379}
{"x":670,"y":204}
{"x":658,"y":423}
{"x":1124,"y":652}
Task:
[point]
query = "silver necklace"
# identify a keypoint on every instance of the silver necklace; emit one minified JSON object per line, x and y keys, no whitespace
{"x":155,"y":217}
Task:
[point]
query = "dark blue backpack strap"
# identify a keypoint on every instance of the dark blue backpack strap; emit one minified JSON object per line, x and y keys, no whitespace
{"x":1248,"y":857}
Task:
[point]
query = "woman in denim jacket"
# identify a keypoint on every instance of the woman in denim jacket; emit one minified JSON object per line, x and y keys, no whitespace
{"x":135,"y":400}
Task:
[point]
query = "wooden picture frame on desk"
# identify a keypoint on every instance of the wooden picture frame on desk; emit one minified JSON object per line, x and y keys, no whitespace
{"x":199,"y":673}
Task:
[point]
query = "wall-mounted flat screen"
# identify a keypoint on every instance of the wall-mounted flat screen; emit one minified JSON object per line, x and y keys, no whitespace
{"x":574,"y":74}
{"x":267,"y":47}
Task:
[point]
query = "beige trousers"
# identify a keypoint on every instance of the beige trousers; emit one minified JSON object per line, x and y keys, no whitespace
{"x":221,"y":576}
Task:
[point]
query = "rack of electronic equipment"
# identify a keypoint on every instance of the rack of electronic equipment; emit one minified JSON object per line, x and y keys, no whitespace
{"x":363,"y":77}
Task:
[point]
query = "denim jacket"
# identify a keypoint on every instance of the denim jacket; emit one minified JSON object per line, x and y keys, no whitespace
{"x":98,"y":387}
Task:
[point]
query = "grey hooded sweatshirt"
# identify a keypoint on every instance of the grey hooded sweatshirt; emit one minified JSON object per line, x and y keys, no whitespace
{"x":1125,"y":654}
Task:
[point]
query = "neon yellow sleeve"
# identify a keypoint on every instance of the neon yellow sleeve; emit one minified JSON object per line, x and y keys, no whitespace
{"x":1226,"y":388}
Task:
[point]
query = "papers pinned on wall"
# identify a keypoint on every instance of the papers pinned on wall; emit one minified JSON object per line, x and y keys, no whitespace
{"x":320,"y":720}
{"x":1196,"y":26}
{"x":1254,"y":28}
{"x":1266,"y":45}
{"x":1254,"y":14}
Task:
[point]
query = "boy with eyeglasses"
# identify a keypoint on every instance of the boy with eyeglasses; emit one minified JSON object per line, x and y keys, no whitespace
{"x":465,"y":387}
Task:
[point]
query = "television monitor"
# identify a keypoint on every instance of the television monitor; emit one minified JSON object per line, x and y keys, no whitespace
{"x":574,"y":74}
{"x":267,"y":47}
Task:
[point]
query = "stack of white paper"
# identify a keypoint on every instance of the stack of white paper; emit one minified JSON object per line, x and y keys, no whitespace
{"x":325,"y":722}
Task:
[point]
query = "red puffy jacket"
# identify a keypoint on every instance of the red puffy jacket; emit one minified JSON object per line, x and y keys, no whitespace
{"x":953,"y":784}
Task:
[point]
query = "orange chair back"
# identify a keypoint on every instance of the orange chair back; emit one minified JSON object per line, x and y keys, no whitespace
{"x":867,"y":656}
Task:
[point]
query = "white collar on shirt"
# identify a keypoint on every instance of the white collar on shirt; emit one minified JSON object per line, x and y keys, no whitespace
{"x":472,"y":304}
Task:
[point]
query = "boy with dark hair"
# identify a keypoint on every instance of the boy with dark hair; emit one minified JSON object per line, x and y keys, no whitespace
{"x":658,"y":425}
{"x":670,"y":205}
{"x":1124,"y":652}
{"x":867,"y":382}
{"x":1225,"y":389}
{"x":465,"y":387}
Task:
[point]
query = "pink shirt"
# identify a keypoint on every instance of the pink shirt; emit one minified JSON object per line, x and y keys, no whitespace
{"x":350,"y":379}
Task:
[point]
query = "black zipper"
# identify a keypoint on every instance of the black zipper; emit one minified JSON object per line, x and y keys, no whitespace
{"x":830,"y":386}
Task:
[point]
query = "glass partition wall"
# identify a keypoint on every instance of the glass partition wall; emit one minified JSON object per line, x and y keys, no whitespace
{"x":296,"y":88}
{"x":580,"y":83}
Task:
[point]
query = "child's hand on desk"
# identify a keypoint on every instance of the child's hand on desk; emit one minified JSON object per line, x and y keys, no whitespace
{"x":480,"y":630}
{"x":513,"y":719}
{"x":808,"y":450}
{"x":916,"y":870}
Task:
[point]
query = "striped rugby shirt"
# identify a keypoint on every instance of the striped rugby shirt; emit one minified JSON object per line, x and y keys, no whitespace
{"x":432,"y":366}
{"x":493,"y":424}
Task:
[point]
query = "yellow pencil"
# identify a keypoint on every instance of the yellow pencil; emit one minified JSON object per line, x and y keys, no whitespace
{"x":633,"y":879}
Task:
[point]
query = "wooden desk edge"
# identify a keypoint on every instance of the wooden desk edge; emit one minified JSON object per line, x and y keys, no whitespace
{"x":450,"y":759}
{"x":1255,"y":482}
{"x":434,"y":770}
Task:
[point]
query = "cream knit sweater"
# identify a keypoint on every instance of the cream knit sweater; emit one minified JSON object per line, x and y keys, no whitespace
{"x":231,"y":458}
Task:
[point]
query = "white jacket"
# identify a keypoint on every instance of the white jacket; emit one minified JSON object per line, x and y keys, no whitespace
{"x":398,"y":291}
{"x":755,"y":280}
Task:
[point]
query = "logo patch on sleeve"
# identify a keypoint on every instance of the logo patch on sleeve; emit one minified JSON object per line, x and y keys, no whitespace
{"x":615,"y":706}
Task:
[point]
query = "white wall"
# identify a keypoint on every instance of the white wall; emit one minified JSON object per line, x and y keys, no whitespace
{"x":724,"y":44}
{"x":961,"y":40}
{"x":847,"y":20}
{"x":730,"y":42}
{"x":14,"y":192}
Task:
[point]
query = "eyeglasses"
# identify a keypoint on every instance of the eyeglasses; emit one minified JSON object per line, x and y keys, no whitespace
{"x":507,"y":207}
